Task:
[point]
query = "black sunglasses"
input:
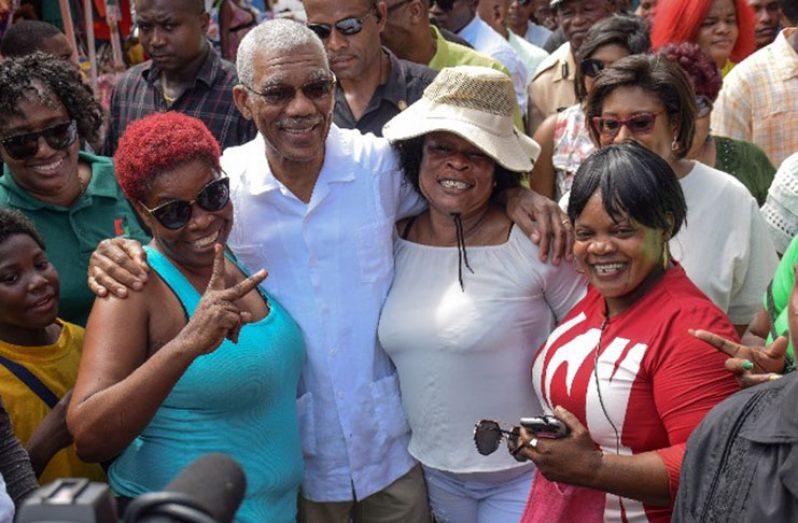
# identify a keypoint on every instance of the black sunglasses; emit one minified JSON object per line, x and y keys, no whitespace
{"x":591,"y":67}
{"x":488,"y":434}
{"x":282,"y":94}
{"x":24,"y":146}
{"x":175,"y":214}
{"x":347,"y":27}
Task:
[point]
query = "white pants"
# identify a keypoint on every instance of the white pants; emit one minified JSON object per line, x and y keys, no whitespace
{"x":484,"y":497}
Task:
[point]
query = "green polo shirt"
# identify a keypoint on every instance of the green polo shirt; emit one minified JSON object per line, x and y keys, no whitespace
{"x":450,"y":54}
{"x":72,"y":233}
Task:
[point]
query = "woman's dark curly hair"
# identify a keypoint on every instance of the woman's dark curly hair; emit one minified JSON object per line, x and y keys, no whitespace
{"x":699,"y":66}
{"x":53,"y":81}
{"x":158,"y":143}
{"x":411,"y":151}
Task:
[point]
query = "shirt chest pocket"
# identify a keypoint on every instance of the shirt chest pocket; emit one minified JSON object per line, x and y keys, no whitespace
{"x":374,"y":249}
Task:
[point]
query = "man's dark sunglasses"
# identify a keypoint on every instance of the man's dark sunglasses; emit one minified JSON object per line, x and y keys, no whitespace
{"x":282,"y":94}
{"x":591,"y":67}
{"x":24,"y":146}
{"x":347,"y":27}
{"x":175,"y":214}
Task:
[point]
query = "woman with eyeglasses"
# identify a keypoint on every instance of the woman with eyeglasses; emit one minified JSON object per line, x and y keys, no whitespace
{"x":71,"y":196}
{"x":621,"y":371}
{"x":725,"y":246}
{"x":743,"y":160}
{"x":563,"y":137}
{"x":724,"y":29}
{"x":201,"y":360}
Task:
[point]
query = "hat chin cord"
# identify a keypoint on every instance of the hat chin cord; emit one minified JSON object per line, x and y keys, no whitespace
{"x":461,"y":249}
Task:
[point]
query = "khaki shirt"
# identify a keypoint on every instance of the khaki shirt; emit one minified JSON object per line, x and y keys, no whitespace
{"x":552,"y":87}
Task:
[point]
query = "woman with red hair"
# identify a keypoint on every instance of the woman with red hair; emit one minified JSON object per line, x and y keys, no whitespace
{"x":724,"y":29}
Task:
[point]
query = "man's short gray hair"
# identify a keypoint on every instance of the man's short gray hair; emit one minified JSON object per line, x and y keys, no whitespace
{"x":275,"y":35}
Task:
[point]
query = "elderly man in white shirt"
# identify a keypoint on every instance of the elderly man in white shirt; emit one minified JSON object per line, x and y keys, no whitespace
{"x":316,"y":206}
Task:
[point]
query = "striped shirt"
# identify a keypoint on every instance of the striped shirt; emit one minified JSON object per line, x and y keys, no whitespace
{"x":210,"y":99}
{"x":758,"y":102}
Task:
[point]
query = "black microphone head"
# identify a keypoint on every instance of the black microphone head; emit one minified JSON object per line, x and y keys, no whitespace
{"x":215,"y":482}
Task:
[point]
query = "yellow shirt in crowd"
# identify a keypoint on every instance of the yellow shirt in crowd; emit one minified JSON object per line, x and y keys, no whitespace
{"x":56,"y":366}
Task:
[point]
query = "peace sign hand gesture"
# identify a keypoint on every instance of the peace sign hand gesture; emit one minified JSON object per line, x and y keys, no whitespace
{"x":217,"y":316}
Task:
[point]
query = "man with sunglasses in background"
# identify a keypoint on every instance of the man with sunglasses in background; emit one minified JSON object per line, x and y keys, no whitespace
{"x":373,"y":84}
{"x":519,"y":21}
{"x":461,"y":17}
{"x":184,"y":74}
{"x":410,"y":35}
{"x":552,"y":88}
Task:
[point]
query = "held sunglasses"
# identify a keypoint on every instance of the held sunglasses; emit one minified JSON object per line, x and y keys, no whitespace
{"x":610,"y":126}
{"x":347,"y":27}
{"x":25,"y":146}
{"x":282,"y":94}
{"x":175,"y":214}
{"x":488,"y":434}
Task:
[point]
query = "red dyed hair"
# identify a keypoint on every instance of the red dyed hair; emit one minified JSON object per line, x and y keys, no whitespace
{"x":677,"y":21}
{"x":160,"y":142}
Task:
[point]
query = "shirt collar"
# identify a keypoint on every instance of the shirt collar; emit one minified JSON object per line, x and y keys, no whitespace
{"x":337,"y":166}
{"x":779,"y":423}
{"x":786,"y":59}
{"x":205,"y":74}
{"x":469,"y":32}
{"x":395,"y":90}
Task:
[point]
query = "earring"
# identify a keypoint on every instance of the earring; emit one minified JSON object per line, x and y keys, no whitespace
{"x":666,"y":256}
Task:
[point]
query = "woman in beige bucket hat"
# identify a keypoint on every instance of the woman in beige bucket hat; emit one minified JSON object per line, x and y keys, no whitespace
{"x":470,"y":300}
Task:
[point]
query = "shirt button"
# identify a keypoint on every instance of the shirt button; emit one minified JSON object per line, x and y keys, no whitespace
{"x":340,"y":395}
{"x":333,"y":351}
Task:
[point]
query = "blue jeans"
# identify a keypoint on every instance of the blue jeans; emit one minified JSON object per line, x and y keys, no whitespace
{"x":483,"y":497}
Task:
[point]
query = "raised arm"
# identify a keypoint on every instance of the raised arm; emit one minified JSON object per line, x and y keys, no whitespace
{"x":120,"y":386}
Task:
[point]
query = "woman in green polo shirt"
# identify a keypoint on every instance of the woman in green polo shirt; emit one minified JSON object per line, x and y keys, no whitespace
{"x":71,"y":196}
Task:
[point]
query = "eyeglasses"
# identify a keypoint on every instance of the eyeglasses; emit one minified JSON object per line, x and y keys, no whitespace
{"x":175,"y":214}
{"x":488,"y":434}
{"x":445,"y":5}
{"x":704,"y":105}
{"x":282,"y":94}
{"x":610,"y":126}
{"x":347,"y":27}
{"x":24,"y":146}
{"x":591,"y":67}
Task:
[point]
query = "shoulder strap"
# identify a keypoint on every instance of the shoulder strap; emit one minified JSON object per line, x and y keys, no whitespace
{"x":29,"y":379}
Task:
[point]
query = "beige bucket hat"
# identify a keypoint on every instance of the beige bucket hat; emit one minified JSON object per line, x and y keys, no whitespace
{"x":475,"y":103}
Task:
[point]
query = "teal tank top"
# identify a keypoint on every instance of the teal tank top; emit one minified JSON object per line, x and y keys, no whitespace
{"x":239,"y":400}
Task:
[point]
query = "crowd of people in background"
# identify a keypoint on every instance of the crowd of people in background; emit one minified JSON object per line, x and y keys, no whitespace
{"x":357,"y":244}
